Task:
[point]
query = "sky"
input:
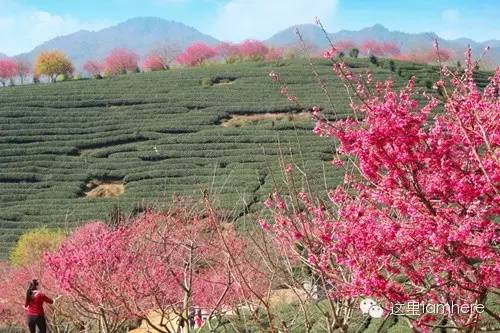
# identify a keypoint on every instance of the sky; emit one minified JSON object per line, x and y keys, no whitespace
{"x":25,"y":24}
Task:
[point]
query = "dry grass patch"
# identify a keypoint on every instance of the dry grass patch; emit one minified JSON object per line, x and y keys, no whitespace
{"x":244,"y":120}
{"x":104,"y":189}
{"x":87,"y":152}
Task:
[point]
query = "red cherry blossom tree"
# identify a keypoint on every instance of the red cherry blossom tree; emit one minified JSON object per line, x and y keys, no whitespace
{"x":121,"y":61}
{"x":162,"y":262}
{"x":275,"y":53}
{"x":390,"y":48}
{"x":253,"y":49}
{"x":7,"y":309}
{"x":196,"y":54}
{"x":376,"y":48}
{"x":416,"y":220}
{"x":24,"y":69}
{"x":427,"y":56}
{"x":154,"y":62}
{"x":8,"y":70}
{"x":227,"y":51}
{"x":161,"y":57}
{"x":87,"y":267}
{"x":15,"y":281}
{"x":344,"y":45}
{"x":94,"y":68}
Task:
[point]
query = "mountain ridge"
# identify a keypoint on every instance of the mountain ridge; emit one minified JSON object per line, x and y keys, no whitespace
{"x":142,"y":35}
{"x":145,"y":33}
{"x":406,"y":41}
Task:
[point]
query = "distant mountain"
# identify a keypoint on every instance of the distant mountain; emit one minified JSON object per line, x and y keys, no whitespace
{"x":139,"y":35}
{"x":145,"y":33}
{"x":2,"y":55}
{"x":406,"y":41}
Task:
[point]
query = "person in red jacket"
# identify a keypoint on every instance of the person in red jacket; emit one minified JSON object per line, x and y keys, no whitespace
{"x":34,"y":308}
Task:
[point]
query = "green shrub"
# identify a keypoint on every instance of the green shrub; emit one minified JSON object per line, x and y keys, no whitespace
{"x":62,"y":77}
{"x":33,"y":244}
{"x":392,"y":66}
{"x":354,"y":53}
{"x":206,"y":82}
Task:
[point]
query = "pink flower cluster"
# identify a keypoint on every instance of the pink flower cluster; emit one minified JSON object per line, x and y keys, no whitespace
{"x":155,"y":261}
{"x":8,"y":70}
{"x":118,"y":61}
{"x":368,"y":47}
{"x":416,"y":219}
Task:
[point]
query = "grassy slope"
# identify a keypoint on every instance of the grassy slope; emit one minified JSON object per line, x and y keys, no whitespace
{"x":160,"y":133}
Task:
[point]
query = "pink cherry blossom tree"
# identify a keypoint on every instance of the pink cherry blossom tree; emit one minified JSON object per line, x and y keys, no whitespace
{"x":344,"y":45}
{"x":390,"y":48}
{"x":94,"y":68}
{"x":121,"y":61}
{"x":161,"y":262}
{"x":427,"y":56}
{"x":275,"y":53}
{"x":376,"y":48}
{"x":15,"y":281}
{"x":227,"y":51}
{"x":415,"y":220}
{"x":253,"y":49}
{"x":8,"y":70}
{"x":87,"y":267}
{"x":154,"y":62}
{"x":161,"y":57}
{"x":24,"y":69}
{"x":196,"y":54}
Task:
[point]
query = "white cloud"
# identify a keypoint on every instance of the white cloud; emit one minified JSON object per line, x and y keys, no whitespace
{"x":23,"y":27}
{"x":240,"y":19}
{"x":450,"y":15}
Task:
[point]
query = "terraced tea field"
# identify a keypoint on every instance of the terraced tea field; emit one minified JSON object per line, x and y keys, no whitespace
{"x":74,"y":151}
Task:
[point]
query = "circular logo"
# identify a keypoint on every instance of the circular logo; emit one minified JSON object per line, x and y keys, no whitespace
{"x":369,"y":306}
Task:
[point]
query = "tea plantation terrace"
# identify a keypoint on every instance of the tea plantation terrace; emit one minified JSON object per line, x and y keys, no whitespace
{"x":75,"y":151}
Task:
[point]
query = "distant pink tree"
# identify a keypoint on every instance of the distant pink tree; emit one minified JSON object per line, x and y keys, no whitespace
{"x":275,"y":53}
{"x":196,"y":54}
{"x":373,"y":47}
{"x":253,"y":49}
{"x":121,"y":61}
{"x":227,"y":50}
{"x":154,"y":62}
{"x":24,"y":69}
{"x":370,"y":46}
{"x":426,"y":56}
{"x":8,"y":70}
{"x":344,"y":45}
{"x":165,"y":53}
{"x":390,"y":48}
{"x":94,"y":68}
{"x":441,"y":55}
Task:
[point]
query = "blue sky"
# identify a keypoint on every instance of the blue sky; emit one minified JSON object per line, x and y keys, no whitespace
{"x":27,"y":23}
